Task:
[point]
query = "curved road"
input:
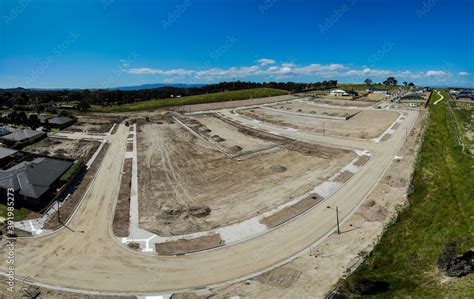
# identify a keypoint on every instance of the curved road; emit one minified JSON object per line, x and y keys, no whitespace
{"x":93,"y":262}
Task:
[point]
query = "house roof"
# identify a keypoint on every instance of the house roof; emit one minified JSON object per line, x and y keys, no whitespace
{"x":60,"y":120}
{"x":21,"y":135}
{"x":5,"y":152}
{"x":33,"y":178}
{"x":4,"y":131}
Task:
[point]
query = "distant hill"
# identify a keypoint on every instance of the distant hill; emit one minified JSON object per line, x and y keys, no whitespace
{"x":156,"y":85}
{"x":137,"y":87}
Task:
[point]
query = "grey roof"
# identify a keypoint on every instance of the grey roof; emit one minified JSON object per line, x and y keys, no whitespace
{"x":60,"y":120}
{"x":5,"y":152}
{"x":23,"y":135}
{"x":33,"y":178}
{"x":4,"y":131}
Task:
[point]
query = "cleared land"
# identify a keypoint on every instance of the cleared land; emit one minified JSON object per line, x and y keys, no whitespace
{"x":190,"y":100}
{"x":187,"y":246}
{"x":65,"y":148}
{"x":343,"y":102}
{"x":226,"y":136}
{"x":308,"y":108}
{"x":441,"y":209}
{"x":186,"y":185}
{"x":372,"y":97}
{"x":93,"y":124}
{"x":365,"y":124}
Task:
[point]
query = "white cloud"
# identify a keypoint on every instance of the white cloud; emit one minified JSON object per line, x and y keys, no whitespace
{"x":267,"y":69}
{"x":266,"y":61}
{"x":437,"y":74}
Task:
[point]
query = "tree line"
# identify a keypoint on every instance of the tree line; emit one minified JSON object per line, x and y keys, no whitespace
{"x":41,"y":100}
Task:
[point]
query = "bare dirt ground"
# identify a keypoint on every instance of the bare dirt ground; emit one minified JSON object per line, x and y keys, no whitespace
{"x":290,"y":212}
{"x":122,"y":209}
{"x":93,"y":124}
{"x":187,"y":246}
{"x":232,"y":104}
{"x":65,"y":148}
{"x":372,"y":97}
{"x":366,"y":124}
{"x":186,"y":186}
{"x":343,"y":102}
{"x":303,"y":107}
{"x":227,"y":136}
{"x":315,"y":273}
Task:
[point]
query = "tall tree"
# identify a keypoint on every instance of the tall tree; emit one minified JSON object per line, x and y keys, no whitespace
{"x":368,"y":81}
{"x":391,"y":81}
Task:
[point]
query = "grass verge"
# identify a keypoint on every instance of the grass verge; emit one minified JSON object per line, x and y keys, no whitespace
{"x":441,"y":210}
{"x":191,"y":100}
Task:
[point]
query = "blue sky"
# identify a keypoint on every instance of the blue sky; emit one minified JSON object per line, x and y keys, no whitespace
{"x":106,"y":43}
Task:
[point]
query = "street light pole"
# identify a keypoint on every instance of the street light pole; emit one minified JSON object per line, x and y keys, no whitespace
{"x":337,"y":218}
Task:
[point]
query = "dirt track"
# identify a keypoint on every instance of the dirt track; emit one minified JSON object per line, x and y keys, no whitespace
{"x":94,"y":261}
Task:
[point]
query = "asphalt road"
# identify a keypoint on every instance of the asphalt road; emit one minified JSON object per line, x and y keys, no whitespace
{"x":93,"y":261}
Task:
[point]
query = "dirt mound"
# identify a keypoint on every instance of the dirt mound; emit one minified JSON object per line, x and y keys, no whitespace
{"x":278,"y":168}
{"x":235,"y":149}
{"x":198,"y":212}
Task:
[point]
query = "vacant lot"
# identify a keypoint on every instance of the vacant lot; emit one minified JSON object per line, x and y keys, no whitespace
{"x":185,"y":185}
{"x":309,"y":107}
{"x":93,"y":124}
{"x":365,"y":124}
{"x":226,"y":136}
{"x":343,"y":102}
{"x":65,"y":148}
{"x":372,"y":97}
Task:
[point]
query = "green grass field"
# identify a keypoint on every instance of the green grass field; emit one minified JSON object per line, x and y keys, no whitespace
{"x":464,"y":122}
{"x":441,"y":210}
{"x":198,"y":99}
